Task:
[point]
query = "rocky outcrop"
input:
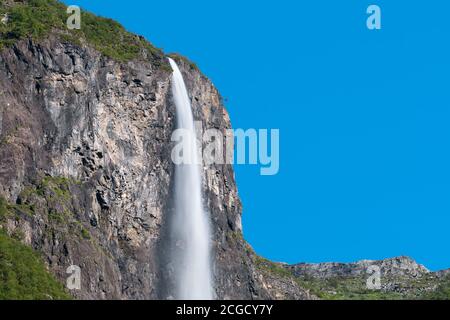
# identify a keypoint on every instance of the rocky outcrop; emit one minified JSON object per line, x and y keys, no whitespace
{"x":401,"y":266}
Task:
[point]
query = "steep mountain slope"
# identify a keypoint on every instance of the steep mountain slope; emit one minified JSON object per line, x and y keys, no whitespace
{"x":85,"y":168}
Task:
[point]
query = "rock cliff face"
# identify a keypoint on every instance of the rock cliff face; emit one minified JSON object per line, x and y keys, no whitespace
{"x":85,"y":163}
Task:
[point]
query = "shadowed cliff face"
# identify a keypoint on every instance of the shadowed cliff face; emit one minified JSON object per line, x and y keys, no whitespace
{"x":85,"y":164}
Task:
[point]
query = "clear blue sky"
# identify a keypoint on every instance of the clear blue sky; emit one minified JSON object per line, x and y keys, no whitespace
{"x":364,"y":117}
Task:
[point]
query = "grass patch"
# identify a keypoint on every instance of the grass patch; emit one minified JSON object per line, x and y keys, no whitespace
{"x":27,"y":209}
{"x":442,"y":292}
{"x":271,"y":267}
{"x":56,"y":217}
{"x":32,"y":18}
{"x":5,"y":211}
{"x":354,"y":288}
{"x":235,"y":237}
{"x":58,"y":187}
{"x":344,"y":288}
{"x":23,"y":275}
{"x":85,"y":234}
{"x":38,"y":18}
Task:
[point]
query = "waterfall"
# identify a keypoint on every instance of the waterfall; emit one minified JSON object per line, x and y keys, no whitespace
{"x":190,"y":226}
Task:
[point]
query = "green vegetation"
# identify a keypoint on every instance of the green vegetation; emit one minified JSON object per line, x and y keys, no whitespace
{"x":7,"y":137}
{"x":179,"y":58}
{"x":235,"y":237}
{"x":8,"y":210}
{"x":272,"y":267}
{"x":55,"y":217}
{"x":52,"y":188}
{"x":57,"y":194}
{"x":33,"y":18}
{"x":111,"y":39}
{"x":4,"y":210}
{"x":344,"y":288}
{"x":56,"y":187}
{"x":85,"y":234}
{"x":23,"y":275}
{"x":427,"y":287}
{"x":442,"y":291}
{"x":56,"y":190}
{"x":27,"y":209}
{"x":37,"y":18}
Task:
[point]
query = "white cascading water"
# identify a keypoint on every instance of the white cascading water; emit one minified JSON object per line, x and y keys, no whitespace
{"x":190,"y":225}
